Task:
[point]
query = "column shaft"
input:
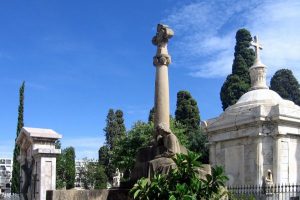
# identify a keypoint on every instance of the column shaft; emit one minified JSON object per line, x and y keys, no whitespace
{"x":162,"y":107}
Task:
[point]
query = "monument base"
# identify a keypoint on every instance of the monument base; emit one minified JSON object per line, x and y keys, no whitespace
{"x":147,"y":164}
{"x":111,"y":194}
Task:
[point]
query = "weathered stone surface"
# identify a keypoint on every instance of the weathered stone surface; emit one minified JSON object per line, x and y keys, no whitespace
{"x":113,"y":194}
{"x":161,"y":60}
{"x":38,"y":161}
{"x":157,"y":158}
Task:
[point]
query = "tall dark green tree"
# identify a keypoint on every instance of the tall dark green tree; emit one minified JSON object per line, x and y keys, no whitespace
{"x":114,"y":131}
{"x":238,"y":82}
{"x":65,"y":167}
{"x":121,"y":129}
{"x":187,"y":111}
{"x":115,"y":127}
{"x":60,"y":168}
{"x":15,"y":185}
{"x":151,"y":115}
{"x":69,"y":158}
{"x":286,"y":85}
{"x":110,"y":128}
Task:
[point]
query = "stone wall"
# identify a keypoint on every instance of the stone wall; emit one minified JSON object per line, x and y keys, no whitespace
{"x":112,"y":194}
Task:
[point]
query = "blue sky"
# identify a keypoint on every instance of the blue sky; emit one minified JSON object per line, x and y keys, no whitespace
{"x":80,"y":58}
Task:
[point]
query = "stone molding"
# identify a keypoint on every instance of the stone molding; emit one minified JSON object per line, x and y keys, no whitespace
{"x":163,"y":59}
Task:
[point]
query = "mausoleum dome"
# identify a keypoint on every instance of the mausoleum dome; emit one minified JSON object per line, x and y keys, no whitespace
{"x":260,"y":96}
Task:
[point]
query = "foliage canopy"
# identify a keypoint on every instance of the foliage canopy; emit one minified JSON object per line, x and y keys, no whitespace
{"x":286,"y":85}
{"x":238,"y":82}
{"x":15,"y":184}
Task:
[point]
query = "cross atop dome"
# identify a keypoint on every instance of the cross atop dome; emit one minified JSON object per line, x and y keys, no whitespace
{"x":257,"y":46}
{"x":258,"y":70}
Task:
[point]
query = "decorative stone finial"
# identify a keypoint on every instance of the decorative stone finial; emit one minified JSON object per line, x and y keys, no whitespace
{"x":258,"y":69}
{"x":163,"y":34}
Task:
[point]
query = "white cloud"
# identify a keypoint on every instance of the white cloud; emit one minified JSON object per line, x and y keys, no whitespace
{"x":206,"y":34}
{"x":214,"y":68}
{"x":278,"y":27}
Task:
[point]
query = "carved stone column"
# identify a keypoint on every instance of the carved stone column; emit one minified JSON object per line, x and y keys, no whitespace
{"x":161,"y":60}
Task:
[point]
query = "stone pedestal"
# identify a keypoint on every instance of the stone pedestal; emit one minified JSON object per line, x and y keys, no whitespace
{"x":37,"y":161}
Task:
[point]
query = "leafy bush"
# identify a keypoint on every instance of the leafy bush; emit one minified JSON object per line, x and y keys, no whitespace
{"x":182,"y":182}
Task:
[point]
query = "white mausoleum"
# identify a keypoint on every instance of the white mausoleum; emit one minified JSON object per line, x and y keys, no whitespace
{"x":37,"y":162}
{"x":260,"y":132}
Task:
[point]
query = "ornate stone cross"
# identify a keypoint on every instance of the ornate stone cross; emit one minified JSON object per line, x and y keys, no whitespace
{"x":257,"y":46}
{"x":163,"y":34}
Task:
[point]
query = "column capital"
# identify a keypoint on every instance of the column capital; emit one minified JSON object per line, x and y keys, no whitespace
{"x":162,"y":59}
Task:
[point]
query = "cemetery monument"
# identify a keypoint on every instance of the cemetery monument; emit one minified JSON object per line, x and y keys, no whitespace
{"x":259,"y":136}
{"x":37,"y":161}
{"x":157,"y":156}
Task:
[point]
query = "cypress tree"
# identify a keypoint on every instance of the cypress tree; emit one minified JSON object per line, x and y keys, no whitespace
{"x":151,"y":115}
{"x":286,"y":85}
{"x":15,"y":185}
{"x":238,"y":83}
{"x":69,"y":158}
{"x":110,"y":128}
{"x":60,"y":167}
{"x":121,"y":130}
{"x":115,"y":127}
{"x":187,"y":111}
{"x":114,"y":130}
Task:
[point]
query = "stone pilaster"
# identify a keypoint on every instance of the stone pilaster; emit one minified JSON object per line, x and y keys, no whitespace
{"x":259,"y":160}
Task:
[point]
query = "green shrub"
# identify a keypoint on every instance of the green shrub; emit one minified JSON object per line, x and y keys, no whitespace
{"x":182,"y":182}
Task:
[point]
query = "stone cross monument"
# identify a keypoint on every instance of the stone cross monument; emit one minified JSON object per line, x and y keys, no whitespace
{"x":258,"y":70}
{"x":161,"y":60}
{"x":157,"y":157}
